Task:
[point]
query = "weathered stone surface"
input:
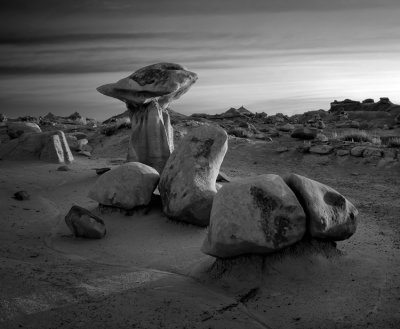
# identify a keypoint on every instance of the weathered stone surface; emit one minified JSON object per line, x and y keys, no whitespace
{"x":329,"y":214}
{"x":151,"y":139}
{"x":17,"y":129}
{"x":321,"y":149}
{"x":342,"y":153}
{"x":49,"y":146}
{"x":163,"y":82}
{"x":256,"y":215}
{"x":357,"y":151}
{"x":282,"y":149}
{"x":371,"y":152}
{"x":127,"y":186}
{"x":147,"y":93}
{"x":187,"y":184}
{"x":304,"y":133}
{"x":83,"y":223}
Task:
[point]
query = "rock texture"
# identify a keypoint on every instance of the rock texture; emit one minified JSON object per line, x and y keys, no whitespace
{"x":321,"y":149}
{"x":83,"y":223}
{"x":49,"y":146}
{"x":16,"y":129}
{"x":127,"y":186}
{"x":329,"y":214}
{"x":256,"y":215}
{"x":187,"y":184}
{"x":147,"y":94}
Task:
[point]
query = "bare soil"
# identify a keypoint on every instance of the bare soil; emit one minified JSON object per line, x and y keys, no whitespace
{"x":149,"y":272}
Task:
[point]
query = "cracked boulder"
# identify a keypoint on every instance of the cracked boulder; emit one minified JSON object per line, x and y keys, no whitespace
{"x":127,"y":186}
{"x":256,"y":215}
{"x":329,"y":214}
{"x":84,"y":224}
{"x":187,"y":184}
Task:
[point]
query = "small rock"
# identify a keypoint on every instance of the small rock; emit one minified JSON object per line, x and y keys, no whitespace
{"x":304,"y":133}
{"x":321,"y":149}
{"x":21,"y":195}
{"x":63,"y":168}
{"x":85,"y":153}
{"x":101,"y":171}
{"x":282,"y":149}
{"x":222,"y":177}
{"x":370,"y":152}
{"x":342,"y":153}
{"x":83,"y":223}
{"x":357,"y":151}
{"x":321,"y":138}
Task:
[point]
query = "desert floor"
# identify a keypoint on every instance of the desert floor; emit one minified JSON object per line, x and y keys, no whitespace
{"x":149,"y":272}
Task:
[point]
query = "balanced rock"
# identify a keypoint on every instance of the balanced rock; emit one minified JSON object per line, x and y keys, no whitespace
{"x":147,"y":94}
{"x":329,"y":214}
{"x":127,"y":186}
{"x":48,"y":146}
{"x":256,"y":215}
{"x":83,"y":223}
{"x":16,"y":129}
{"x":304,"y":133}
{"x":187,"y":184}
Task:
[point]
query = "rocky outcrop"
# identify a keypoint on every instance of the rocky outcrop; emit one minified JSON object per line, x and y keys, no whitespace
{"x":83,"y":223}
{"x":256,"y":215}
{"x":17,"y":129}
{"x":127,"y":186}
{"x":48,"y":146}
{"x":187,"y":184}
{"x":147,"y":94}
{"x":329,"y":214}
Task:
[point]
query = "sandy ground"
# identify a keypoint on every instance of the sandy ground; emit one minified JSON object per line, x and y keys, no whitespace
{"x":149,"y":272}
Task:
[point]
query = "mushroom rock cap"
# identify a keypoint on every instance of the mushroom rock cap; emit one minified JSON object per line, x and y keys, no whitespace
{"x":163,"y":82}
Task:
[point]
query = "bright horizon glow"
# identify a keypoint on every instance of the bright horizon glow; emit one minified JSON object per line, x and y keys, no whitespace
{"x":275,"y":60}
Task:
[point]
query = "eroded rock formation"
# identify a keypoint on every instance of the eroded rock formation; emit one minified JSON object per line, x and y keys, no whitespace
{"x":147,"y":94}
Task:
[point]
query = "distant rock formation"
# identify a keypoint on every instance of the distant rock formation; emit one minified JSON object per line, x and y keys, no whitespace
{"x":348,"y":105}
{"x":147,"y":93}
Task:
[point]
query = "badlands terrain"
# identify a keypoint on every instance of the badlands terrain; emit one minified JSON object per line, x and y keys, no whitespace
{"x":149,"y":272}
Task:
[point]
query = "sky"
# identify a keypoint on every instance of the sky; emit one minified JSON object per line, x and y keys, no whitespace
{"x":286,"y":56}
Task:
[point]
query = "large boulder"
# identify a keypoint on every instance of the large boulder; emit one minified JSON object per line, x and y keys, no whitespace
{"x":127,"y":186}
{"x":16,"y":129}
{"x":329,"y":214}
{"x":83,"y":223}
{"x":256,"y":215}
{"x":187,"y":184}
{"x":49,"y":146}
{"x":321,"y":149}
{"x":304,"y":133}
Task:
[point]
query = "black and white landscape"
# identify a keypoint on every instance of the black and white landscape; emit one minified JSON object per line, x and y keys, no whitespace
{"x":182,"y":164}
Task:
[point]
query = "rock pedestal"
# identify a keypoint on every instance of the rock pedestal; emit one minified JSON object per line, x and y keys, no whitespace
{"x":147,"y":93}
{"x":151,"y":139}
